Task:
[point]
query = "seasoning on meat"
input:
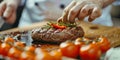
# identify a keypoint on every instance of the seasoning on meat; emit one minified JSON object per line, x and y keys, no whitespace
{"x":57,"y":32}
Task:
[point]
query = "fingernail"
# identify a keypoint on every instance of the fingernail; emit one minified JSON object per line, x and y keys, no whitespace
{"x":81,"y":18}
{"x":90,"y":19}
{"x":71,"y":20}
{"x":59,"y":20}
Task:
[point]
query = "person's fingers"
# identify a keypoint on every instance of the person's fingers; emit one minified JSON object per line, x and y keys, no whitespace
{"x":8,"y":11}
{"x":85,"y":11}
{"x":74,"y":11}
{"x":11,"y":19}
{"x":66,"y":11}
{"x":2,"y":8}
{"x":96,"y":12}
{"x":59,"y":19}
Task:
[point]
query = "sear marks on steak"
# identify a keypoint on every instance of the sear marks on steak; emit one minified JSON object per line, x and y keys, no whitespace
{"x":57,"y":35}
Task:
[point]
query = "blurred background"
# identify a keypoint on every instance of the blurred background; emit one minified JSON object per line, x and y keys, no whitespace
{"x":115,"y":14}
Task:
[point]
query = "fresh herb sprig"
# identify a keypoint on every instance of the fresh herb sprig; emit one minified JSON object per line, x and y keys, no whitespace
{"x":60,"y":24}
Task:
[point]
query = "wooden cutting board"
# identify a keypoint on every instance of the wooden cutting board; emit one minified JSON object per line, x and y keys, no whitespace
{"x":91,"y":30}
{"x":95,"y":30}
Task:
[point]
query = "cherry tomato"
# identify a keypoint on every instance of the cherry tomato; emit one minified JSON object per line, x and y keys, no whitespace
{"x":5,"y":48}
{"x":27,"y":56}
{"x":86,"y":39}
{"x":57,"y":55}
{"x":58,"y":26}
{"x":79,"y":42}
{"x":9,"y":40}
{"x":90,"y":52}
{"x":42,"y":54}
{"x":69,"y":49}
{"x":0,"y":47}
{"x":30,"y":48}
{"x":104,"y":44}
{"x":14,"y":53}
{"x":20,"y":44}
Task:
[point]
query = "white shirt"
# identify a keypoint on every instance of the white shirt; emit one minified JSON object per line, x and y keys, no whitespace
{"x":39,"y":10}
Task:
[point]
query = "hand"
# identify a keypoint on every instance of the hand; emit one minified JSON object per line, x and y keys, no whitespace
{"x":8,"y":10}
{"x":81,"y":9}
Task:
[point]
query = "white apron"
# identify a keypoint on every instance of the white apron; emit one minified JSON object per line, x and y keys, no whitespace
{"x":39,"y":10}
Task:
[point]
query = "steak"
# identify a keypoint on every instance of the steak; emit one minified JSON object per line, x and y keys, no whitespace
{"x":57,"y":35}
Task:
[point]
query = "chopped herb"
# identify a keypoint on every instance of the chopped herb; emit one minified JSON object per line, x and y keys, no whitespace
{"x":68,"y":24}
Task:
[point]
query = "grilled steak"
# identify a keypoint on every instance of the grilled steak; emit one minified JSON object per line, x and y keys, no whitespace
{"x":57,"y":35}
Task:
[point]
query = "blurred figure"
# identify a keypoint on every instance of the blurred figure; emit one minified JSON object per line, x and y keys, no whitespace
{"x":39,"y":10}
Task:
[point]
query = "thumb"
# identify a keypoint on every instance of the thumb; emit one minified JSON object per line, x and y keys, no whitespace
{"x":11,"y":19}
{"x":8,"y":11}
